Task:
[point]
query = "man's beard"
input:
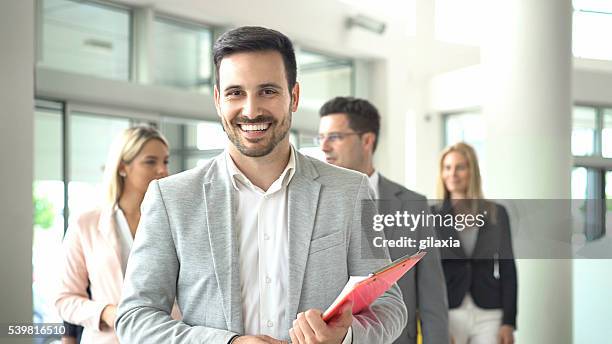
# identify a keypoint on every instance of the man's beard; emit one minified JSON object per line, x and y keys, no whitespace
{"x":234,"y":133}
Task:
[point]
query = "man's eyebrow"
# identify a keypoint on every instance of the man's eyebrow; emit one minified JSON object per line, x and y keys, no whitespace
{"x":270,"y":84}
{"x":150,"y":157}
{"x":232,"y":87}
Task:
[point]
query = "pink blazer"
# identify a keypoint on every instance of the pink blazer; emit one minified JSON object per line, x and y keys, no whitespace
{"x":92,"y":256}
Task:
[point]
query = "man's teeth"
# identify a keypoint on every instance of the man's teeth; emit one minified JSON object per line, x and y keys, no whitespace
{"x":254,"y":127}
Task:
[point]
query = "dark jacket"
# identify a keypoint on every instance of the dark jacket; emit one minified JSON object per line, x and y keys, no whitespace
{"x":422,"y":287}
{"x":490,"y":273}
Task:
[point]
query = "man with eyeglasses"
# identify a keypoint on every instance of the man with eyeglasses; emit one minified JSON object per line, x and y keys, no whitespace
{"x":348,"y":134}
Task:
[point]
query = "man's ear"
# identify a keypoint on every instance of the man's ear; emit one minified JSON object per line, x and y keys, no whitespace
{"x":368,"y":140}
{"x":216,"y":96}
{"x":295,"y":97}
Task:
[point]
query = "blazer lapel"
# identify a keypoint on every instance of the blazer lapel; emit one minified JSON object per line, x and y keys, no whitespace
{"x":303,"y":198}
{"x":219,"y":202}
{"x":108,"y":228}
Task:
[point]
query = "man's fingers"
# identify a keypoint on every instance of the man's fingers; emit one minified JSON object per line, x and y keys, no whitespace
{"x":315,"y":320}
{"x":297,"y":331}
{"x":304,"y":324}
{"x":294,"y":339}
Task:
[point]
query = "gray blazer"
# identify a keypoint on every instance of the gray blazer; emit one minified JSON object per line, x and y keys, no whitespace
{"x":424,"y":287}
{"x":186,"y":248}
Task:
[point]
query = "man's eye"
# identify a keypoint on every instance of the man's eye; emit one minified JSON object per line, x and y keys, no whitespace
{"x":150,"y":162}
{"x":269,"y":91}
{"x":235,"y":93}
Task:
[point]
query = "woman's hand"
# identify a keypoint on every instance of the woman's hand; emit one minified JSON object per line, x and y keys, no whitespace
{"x":506,"y":334}
{"x":109,"y":314}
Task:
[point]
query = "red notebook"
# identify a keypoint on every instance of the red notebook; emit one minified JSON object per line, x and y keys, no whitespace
{"x":363,"y":290}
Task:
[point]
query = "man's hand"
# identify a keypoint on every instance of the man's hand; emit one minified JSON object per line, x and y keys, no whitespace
{"x":309,"y":327}
{"x":257,"y":340}
{"x":506,"y":334}
{"x":107,"y":318}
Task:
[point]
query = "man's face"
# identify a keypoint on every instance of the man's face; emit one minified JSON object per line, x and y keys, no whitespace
{"x":341,"y":144}
{"x":254,"y":101}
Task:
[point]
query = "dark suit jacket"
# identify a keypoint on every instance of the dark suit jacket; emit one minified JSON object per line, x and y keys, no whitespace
{"x":490,"y":273}
{"x":423,"y":287}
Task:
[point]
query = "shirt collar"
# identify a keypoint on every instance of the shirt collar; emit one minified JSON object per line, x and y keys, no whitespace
{"x":238,"y":177}
{"x":373,"y":179}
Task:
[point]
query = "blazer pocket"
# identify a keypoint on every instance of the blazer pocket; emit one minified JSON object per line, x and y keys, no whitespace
{"x":328,"y":241}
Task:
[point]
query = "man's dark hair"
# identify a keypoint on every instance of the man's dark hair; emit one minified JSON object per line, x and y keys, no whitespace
{"x":256,"y":39}
{"x":362,"y":115}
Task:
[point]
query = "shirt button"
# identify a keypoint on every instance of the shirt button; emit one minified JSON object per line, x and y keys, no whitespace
{"x":266,"y":237}
{"x":268,"y":280}
{"x":270,"y":323}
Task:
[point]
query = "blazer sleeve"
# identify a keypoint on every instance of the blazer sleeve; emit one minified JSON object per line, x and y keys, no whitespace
{"x":507,"y":270}
{"x":72,"y":300}
{"x":149,"y":288}
{"x":385,"y":319}
{"x":432,"y":301}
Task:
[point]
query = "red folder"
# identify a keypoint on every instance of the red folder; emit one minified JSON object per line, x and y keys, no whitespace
{"x":363,"y":290}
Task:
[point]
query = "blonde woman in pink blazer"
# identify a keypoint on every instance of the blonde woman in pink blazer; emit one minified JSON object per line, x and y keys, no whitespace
{"x":97,"y":244}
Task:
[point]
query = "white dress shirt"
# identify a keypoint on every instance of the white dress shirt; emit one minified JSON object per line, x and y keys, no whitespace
{"x":125,"y":237}
{"x":373,"y":179}
{"x":263,"y":237}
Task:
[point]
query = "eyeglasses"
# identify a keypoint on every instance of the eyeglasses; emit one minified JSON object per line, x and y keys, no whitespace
{"x":333,"y":137}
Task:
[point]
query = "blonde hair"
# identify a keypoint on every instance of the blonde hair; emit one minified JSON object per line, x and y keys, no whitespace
{"x":474,"y":189}
{"x":124,"y":149}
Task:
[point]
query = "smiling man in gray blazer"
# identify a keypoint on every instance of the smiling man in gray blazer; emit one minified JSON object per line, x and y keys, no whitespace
{"x":257,"y":241}
{"x":348,"y":134}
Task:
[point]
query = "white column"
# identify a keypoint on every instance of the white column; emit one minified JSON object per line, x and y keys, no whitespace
{"x":16,"y":149}
{"x":422,"y":128}
{"x":388,"y":95}
{"x":527,"y":62}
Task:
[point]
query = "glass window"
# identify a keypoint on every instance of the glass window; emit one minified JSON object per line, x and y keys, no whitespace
{"x":48,"y":202}
{"x":584,"y":127}
{"x":192,"y":142}
{"x":323,"y":77}
{"x":294,"y":139}
{"x":579,"y":183}
{"x":606,"y":134}
{"x":592,"y":23}
{"x":309,"y":147}
{"x":85,"y":37}
{"x":589,"y":205}
{"x":183,"y":55}
{"x":608,"y":197}
{"x":210,"y":136}
{"x":468,"y":127}
{"x":88,"y":157}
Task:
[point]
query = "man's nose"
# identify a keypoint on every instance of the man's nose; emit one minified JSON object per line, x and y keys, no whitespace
{"x":251,"y":107}
{"x":324,"y":144}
